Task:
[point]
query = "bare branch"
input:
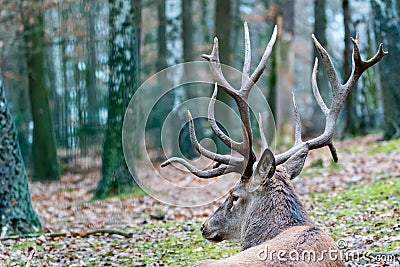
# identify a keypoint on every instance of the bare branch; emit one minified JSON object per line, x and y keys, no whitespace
{"x":30,"y":258}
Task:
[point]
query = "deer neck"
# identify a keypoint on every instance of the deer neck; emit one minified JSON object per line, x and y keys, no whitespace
{"x":275,"y":211}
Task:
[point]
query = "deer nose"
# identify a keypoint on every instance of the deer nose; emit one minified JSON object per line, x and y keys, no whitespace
{"x":203,"y":227}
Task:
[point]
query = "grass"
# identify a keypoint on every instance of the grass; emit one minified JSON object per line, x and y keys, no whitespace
{"x":182,"y":246}
{"x":317,"y":168}
{"x":136,"y":192}
{"x":367,"y":216}
{"x":368,"y":210}
{"x":383,"y":147}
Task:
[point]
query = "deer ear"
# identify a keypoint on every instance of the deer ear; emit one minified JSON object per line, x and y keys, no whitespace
{"x":265,"y":168}
{"x":295,"y":163}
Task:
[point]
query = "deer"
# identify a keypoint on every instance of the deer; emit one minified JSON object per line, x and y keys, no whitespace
{"x":262,"y":212}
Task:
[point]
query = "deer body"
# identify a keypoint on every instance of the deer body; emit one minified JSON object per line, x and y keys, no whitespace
{"x":292,"y":247}
{"x":270,"y":220}
{"x":262,"y":212}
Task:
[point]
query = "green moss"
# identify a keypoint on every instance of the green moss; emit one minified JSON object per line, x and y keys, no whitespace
{"x":135,"y":192}
{"x":392,"y":246}
{"x":24,"y":244}
{"x":182,"y":248}
{"x":317,"y":164}
{"x":384,"y":147}
{"x":334,"y":167}
{"x":366,"y":210}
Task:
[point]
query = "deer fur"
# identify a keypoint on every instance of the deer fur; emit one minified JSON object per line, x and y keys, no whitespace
{"x":265,"y":213}
{"x":300,"y":239}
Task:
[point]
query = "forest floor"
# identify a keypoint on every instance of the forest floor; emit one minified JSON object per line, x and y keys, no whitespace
{"x":356,"y":201}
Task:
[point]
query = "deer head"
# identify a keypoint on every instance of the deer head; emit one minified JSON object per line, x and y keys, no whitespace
{"x":263,"y":203}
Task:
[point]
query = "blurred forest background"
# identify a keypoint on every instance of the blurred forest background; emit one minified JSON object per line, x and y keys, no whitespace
{"x":71,"y":67}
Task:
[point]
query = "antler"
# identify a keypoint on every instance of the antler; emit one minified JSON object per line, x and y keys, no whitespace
{"x":227,"y":163}
{"x":339,"y":94}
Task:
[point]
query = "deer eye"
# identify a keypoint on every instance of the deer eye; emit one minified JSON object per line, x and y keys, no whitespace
{"x":235,"y":198}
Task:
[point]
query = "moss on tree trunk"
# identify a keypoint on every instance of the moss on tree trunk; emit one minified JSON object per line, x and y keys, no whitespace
{"x":124,"y":66}
{"x":16,"y":213}
{"x":44,"y":149}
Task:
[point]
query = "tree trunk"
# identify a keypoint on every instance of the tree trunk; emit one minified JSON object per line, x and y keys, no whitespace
{"x":16,"y":213}
{"x":285,"y":70}
{"x":191,"y":92}
{"x":44,"y":150}
{"x":162,"y":43}
{"x":124,"y":80}
{"x":187,"y":29}
{"x":351,"y":122}
{"x":175,"y":47}
{"x":92,"y":122}
{"x":320,"y":22}
{"x":223,"y":26}
{"x":386,"y":13}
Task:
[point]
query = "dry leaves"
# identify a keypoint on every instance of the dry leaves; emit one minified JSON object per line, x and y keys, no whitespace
{"x":66,"y":207}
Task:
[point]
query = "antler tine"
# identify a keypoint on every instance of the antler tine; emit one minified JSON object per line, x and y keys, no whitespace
{"x":241,"y":96}
{"x":339,"y":94}
{"x":245,"y":148}
{"x":316,"y":93}
{"x":247,"y":54}
{"x":224,"y":159}
{"x":264,"y":143}
{"x":236,"y":146}
{"x":297,"y":132}
{"x":216,"y":70}
{"x":246,"y":87}
{"x":224,"y":169}
{"x":340,"y":91}
{"x":359,"y":65}
{"x":329,"y":68}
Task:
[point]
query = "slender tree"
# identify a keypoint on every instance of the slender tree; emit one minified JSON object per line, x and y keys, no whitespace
{"x":156,"y":120}
{"x":93,"y":103}
{"x":285,"y":68}
{"x":161,"y":34}
{"x":387,"y":30}
{"x":188,"y":55}
{"x":352,"y":124}
{"x":124,"y":80}
{"x":44,"y":149}
{"x":16,"y":213}
{"x":223,"y":28}
{"x":320,"y":23}
{"x":187,"y":30}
